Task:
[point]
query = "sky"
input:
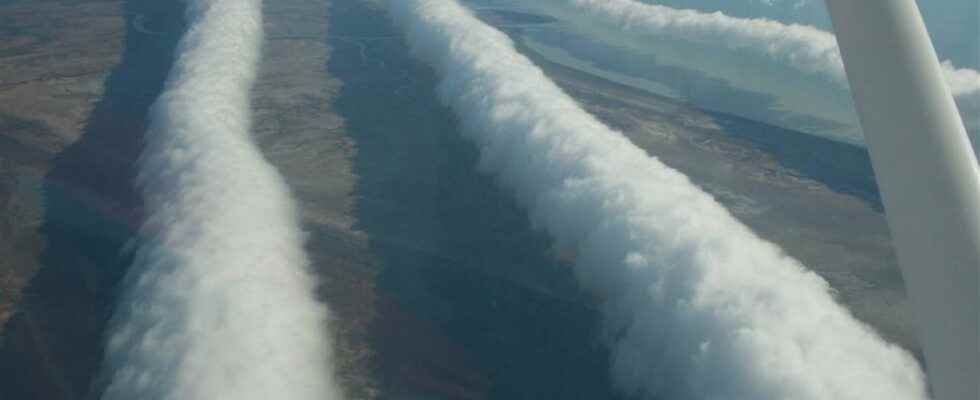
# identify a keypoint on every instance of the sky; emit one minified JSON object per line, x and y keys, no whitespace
{"x":953,"y":24}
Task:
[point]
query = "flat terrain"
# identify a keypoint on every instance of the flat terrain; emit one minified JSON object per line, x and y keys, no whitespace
{"x":438,"y":286}
{"x":54,"y":59}
{"x":76,"y":88}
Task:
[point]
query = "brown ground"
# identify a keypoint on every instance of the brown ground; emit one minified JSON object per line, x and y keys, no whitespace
{"x":438,"y":286}
{"x":54,"y":57}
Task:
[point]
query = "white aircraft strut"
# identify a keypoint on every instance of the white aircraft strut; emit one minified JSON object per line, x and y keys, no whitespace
{"x":928,"y":176}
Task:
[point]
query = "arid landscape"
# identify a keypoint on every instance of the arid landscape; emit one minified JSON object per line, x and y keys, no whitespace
{"x":439,"y":285}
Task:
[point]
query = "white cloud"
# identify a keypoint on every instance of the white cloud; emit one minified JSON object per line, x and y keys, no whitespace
{"x":219,"y":303}
{"x":806,"y":48}
{"x":696,"y":306}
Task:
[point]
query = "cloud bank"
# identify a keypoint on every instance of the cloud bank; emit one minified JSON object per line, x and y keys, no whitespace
{"x":811,"y":51}
{"x":805,"y":48}
{"x":696,"y":306}
{"x":219,"y":303}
